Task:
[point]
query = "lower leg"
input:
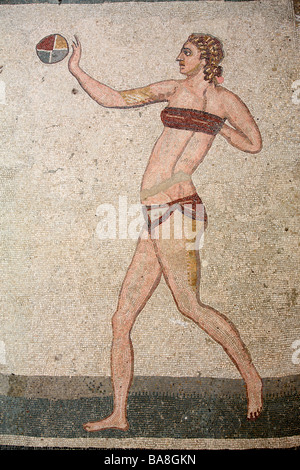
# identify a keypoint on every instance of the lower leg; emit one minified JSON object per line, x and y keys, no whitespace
{"x":222,"y":331}
{"x":122,"y":361}
{"x":122,"y":372}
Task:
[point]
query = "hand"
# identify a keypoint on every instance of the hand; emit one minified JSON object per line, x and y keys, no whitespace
{"x":75,"y":57}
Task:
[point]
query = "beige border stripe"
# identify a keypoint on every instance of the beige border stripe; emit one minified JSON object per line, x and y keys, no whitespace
{"x":141,"y":443}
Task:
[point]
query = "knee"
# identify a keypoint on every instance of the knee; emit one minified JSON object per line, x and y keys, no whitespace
{"x":185,"y":302}
{"x":120,"y":325}
{"x":190,"y":306}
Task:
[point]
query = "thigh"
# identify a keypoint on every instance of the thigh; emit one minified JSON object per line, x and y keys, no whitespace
{"x":179,"y":255}
{"x":142,"y":277}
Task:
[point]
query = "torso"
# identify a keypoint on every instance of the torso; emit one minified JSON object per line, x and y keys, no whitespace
{"x":180,"y":151}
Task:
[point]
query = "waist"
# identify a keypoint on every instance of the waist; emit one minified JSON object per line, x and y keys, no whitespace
{"x":190,"y":199}
{"x":168,"y":188}
{"x":189,"y":206}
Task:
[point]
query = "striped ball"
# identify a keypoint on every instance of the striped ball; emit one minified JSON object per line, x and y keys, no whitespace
{"x":52,"y":49}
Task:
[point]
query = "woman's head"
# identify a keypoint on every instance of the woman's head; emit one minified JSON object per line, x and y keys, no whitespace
{"x":211,"y":50}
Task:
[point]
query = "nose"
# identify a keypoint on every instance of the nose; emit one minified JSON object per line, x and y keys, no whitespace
{"x":179,"y":57}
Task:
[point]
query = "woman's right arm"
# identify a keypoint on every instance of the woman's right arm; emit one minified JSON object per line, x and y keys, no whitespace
{"x":110,"y":98}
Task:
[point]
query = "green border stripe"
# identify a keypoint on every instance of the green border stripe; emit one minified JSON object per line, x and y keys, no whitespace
{"x":158,"y":407}
{"x":151,"y":416}
{"x":77,"y":387}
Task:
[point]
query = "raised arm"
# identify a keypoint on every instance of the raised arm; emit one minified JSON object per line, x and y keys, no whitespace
{"x":244,"y":133}
{"x":110,"y":98}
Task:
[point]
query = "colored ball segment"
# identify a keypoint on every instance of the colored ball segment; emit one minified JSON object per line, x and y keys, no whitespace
{"x":52,"y":49}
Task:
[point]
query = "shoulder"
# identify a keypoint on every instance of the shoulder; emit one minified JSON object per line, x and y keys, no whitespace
{"x":164,"y":89}
{"x":229,"y":98}
{"x":230,"y":101}
{"x":166,"y":85}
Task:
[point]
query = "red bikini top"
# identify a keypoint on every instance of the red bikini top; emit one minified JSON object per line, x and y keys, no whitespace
{"x":192,"y":120}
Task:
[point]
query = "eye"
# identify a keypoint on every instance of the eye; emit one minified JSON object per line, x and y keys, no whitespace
{"x":187,"y":52}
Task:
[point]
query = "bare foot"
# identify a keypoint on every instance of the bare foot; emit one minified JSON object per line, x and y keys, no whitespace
{"x":254,"y":393}
{"x":111,"y":422}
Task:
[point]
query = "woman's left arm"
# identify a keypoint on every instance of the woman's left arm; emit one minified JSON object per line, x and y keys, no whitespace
{"x":244,"y":133}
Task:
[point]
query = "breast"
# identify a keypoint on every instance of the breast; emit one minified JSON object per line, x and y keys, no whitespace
{"x":192,"y":120}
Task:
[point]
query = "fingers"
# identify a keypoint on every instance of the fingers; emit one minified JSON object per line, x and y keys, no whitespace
{"x":76,"y":41}
{"x":76,"y":48}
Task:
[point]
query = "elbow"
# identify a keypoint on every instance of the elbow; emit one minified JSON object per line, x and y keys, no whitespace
{"x":106,"y":102}
{"x":111,"y":100}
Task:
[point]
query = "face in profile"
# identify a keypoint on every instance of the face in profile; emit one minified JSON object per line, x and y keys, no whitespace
{"x":189,"y":59}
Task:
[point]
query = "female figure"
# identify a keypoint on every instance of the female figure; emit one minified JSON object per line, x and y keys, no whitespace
{"x":197,"y":107}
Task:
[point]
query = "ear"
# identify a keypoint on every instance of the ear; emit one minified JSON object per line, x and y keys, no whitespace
{"x":203,"y":62}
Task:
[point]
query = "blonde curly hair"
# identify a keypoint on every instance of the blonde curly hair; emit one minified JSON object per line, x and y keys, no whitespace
{"x":211,"y":50}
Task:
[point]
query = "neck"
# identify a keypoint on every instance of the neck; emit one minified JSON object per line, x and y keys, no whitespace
{"x":197,"y":80}
{"x":196,"y":75}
